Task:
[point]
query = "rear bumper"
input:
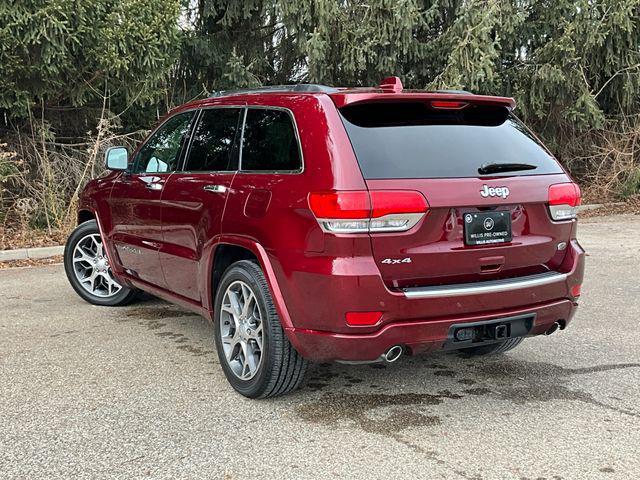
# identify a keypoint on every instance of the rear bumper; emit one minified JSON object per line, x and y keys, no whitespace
{"x":417,"y":337}
{"x":418,"y":319}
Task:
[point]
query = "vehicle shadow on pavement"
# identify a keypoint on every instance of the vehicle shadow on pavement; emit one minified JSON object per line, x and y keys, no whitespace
{"x":190,"y":332}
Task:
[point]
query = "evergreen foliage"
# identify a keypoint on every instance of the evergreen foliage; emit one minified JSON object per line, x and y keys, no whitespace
{"x":74,"y":52}
{"x":572,"y":65}
{"x":569,"y":63}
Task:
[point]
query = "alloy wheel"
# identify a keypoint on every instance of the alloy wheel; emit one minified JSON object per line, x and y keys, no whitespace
{"x":241,"y":330}
{"x":91,"y":267}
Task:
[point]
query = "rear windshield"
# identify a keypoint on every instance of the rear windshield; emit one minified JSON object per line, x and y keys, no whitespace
{"x":413,"y":140}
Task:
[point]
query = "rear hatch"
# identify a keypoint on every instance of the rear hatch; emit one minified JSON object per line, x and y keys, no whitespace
{"x":486,"y":180}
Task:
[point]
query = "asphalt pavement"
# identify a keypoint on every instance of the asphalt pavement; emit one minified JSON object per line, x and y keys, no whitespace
{"x":137,"y":392}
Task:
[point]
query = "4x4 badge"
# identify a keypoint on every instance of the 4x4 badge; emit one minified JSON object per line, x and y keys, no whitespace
{"x":494,"y":191}
{"x":396,"y":261}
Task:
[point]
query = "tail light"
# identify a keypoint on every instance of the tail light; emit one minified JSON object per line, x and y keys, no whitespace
{"x":564,"y":199}
{"x":363,"y":211}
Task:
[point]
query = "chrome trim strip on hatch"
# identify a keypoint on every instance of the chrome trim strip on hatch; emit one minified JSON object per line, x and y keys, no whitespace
{"x":492,"y":286}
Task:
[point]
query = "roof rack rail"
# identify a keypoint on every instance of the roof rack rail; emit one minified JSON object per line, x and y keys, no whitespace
{"x":298,"y":87}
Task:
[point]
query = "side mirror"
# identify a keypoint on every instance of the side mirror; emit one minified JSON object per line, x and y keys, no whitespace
{"x":116,"y":158}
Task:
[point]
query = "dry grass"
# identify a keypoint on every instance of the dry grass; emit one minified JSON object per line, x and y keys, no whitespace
{"x":12,"y":238}
{"x":630,"y":207}
{"x":42,"y":177}
{"x":610,"y":169}
{"x":32,"y":262}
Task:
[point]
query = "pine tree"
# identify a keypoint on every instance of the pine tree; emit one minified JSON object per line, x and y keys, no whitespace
{"x":73,"y":52}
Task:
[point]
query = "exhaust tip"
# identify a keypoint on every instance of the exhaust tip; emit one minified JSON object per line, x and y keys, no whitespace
{"x":393,"y":354}
{"x":553,"y":328}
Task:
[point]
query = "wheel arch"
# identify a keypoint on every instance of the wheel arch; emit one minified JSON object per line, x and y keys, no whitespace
{"x":224,"y":255}
{"x":246,"y":249}
{"x":84,"y":215}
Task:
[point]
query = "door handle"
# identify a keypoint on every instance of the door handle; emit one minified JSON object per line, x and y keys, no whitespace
{"x":215,"y":188}
{"x":154,"y":186}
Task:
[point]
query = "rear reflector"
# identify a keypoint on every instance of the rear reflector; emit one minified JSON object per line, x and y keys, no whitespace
{"x":363,"y":318}
{"x":564,"y":199}
{"x":363,"y":211}
{"x":575,"y":291}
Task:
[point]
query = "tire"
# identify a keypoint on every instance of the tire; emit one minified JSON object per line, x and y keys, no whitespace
{"x":494,"y":348}
{"x":266,"y":364}
{"x":84,"y":256}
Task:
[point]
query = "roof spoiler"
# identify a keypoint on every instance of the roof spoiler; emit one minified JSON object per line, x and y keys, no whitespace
{"x":391,"y":89}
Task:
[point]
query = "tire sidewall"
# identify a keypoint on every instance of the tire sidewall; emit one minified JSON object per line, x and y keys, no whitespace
{"x":255,"y":386}
{"x":84,"y":229}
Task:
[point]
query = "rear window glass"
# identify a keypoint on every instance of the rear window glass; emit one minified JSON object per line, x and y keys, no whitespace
{"x":269,"y":141}
{"x":412,"y":140}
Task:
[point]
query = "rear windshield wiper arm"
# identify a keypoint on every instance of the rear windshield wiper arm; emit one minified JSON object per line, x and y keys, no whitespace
{"x":487,"y":168}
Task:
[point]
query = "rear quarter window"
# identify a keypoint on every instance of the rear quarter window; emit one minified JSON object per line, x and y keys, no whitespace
{"x":413,"y":140}
{"x":269,"y":142}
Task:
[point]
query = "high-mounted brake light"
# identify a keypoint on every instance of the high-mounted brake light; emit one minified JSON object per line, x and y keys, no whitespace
{"x":363,"y":211}
{"x":448,"y":104}
{"x":564,"y":199}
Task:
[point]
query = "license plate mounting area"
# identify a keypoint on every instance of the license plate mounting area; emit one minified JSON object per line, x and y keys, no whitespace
{"x":487,"y":228}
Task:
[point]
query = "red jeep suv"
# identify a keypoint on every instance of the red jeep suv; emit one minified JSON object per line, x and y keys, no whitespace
{"x":321,"y":224}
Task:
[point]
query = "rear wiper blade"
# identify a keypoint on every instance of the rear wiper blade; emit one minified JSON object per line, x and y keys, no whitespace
{"x":487,"y":168}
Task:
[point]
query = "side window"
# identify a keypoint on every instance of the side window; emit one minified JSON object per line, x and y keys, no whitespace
{"x":212,"y":147}
{"x":270,"y":142}
{"x":161,"y":153}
